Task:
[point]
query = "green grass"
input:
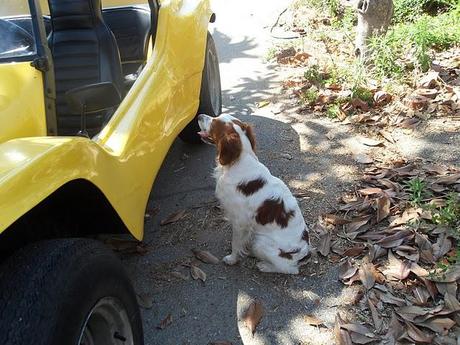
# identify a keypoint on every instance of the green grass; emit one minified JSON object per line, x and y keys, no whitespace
{"x":449,"y":215}
{"x":417,"y":191}
{"x":333,"y":111}
{"x":363,"y":94}
{"x":389,"y":52}
{"x":410,"y":10}
{"x":314,"y":75}
{"x":310,"y":96}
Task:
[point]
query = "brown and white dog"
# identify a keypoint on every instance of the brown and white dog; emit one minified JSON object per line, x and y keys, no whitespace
{"x":266,"y":218}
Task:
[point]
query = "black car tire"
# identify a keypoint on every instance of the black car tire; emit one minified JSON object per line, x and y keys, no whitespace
{"x":210,"y":93}
{"x":49,"y":289}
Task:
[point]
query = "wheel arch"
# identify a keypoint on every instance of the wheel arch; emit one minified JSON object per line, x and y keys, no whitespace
{"x":76,"y":209}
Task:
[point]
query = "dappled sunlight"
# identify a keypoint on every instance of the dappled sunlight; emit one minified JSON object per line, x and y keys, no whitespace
{"x":301,"y":333}
{"x":235,"y":49}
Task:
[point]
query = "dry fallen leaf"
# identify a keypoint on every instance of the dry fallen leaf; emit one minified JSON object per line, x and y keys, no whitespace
{"x":417,"y":102}
{"x":363,"y":158}
{"x":438,"y":324}
{"x":411,"y":312}
{"x":441,"y":247}
{"x":325,"y":244}
{"x":253,"y":315}
{"x":359,"y":104}
{"x":347,"y":270}
{"x":383,"y":208}
{"x":126,"y":246}
{"x":173,"y":217}
{"x":381,"y":98}
{"x":165,"y":322}
{"x":286,"y":155}
{"x":367,"y":274}
{"x":451,"y":302}
{"x":417,"y":334}
{"x":145,"y":300}
{"x":387,"y":135}
{"x":356,"y":224}
{"x":354,"y":251}
{"x":396,"y":269}
{"x":179,"y":275}
{"x":429,"y":80}
{"x":448,"y":180}
{"x":370,"y":191}
{"x":334,"y":219}
{"x":197,"y":273}
{"x":341,"y":335}
{"x":395,"y":329}
{"x":421,"y":295}
{"x":312,"y":320}
{"x":391,"y":299}
{"x":205,"y":256}
{"x":358,"y":328}
{"x":370,"y":142}
{"x":262,"y":104}
{"x":408,"y":252}
{"x":394,"y":240}
{"x":378,"y":321}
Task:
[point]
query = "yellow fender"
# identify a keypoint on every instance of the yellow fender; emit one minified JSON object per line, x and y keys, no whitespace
{"x":126,"y":156}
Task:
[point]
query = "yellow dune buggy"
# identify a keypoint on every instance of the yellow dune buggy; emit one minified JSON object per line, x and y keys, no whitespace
{"x":92,"y":95}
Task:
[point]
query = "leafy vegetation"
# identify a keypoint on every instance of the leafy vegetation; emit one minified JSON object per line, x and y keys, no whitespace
{"x":417,"y":190}
{"x":390,"y":52}
{"x":409,"y":10}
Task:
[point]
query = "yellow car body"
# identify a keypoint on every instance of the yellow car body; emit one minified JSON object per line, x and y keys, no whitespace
{"x":125,"y":157}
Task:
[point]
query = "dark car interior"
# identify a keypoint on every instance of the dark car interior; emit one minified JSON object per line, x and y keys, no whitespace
{"x":91,"y":45}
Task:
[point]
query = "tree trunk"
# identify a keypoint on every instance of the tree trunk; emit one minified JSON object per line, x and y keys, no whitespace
{"x":374,"y":17}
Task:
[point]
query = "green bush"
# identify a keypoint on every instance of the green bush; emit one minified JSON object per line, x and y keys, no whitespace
{"x":409,"y":10}
{"x":415,"y":40}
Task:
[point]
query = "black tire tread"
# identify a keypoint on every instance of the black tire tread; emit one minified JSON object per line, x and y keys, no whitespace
{"x":35,"y":280}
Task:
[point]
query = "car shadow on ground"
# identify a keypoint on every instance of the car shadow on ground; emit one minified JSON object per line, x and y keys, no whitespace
{"x":204,"y":312}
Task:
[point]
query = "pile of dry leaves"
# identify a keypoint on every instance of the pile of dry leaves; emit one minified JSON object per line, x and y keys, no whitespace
{"x":336,"y":88}
{"x":437,"y":94}
{"x":401,"y":252}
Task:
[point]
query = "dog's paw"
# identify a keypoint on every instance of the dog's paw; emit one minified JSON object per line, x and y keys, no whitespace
{"x":230,"y":259}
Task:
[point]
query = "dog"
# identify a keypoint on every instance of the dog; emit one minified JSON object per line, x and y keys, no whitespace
{"x":266,"y":220}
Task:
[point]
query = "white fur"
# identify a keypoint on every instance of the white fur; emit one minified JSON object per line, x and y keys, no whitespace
{"x":263,"y":241}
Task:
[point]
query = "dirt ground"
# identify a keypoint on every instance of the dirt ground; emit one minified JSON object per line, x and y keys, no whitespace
{"x":313,"y":155}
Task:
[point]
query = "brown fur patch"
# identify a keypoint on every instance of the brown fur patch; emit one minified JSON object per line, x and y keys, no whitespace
{"x":247,"y":129}
{"x":306,"y":236}
{"x":272,"y":210}
{"x":288,"y":255}
{"x":249,"y":188}
{"x":227,"y":140}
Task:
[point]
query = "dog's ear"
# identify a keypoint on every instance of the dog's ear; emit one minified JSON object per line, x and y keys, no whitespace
{"x":247,"y":129}
{"x":229,"y":147}
{"x":250,"y":134}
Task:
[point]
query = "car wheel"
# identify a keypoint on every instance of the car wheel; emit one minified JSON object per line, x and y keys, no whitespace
{"x":210,"y":93}
{"x":70,"y":291}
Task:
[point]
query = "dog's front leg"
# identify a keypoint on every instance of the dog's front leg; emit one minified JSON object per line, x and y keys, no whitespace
{"x":240,"y":242}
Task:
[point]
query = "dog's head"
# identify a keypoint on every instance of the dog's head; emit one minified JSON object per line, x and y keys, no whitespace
{"x":230,"y":135}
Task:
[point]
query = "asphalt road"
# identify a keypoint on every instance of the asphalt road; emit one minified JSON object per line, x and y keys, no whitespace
{"x":211,"y":311}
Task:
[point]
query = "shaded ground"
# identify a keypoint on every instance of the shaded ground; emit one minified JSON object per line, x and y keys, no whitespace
{"x":313,"y":155}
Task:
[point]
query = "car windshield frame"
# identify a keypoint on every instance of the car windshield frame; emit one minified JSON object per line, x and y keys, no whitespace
{"x":10,"y":15}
